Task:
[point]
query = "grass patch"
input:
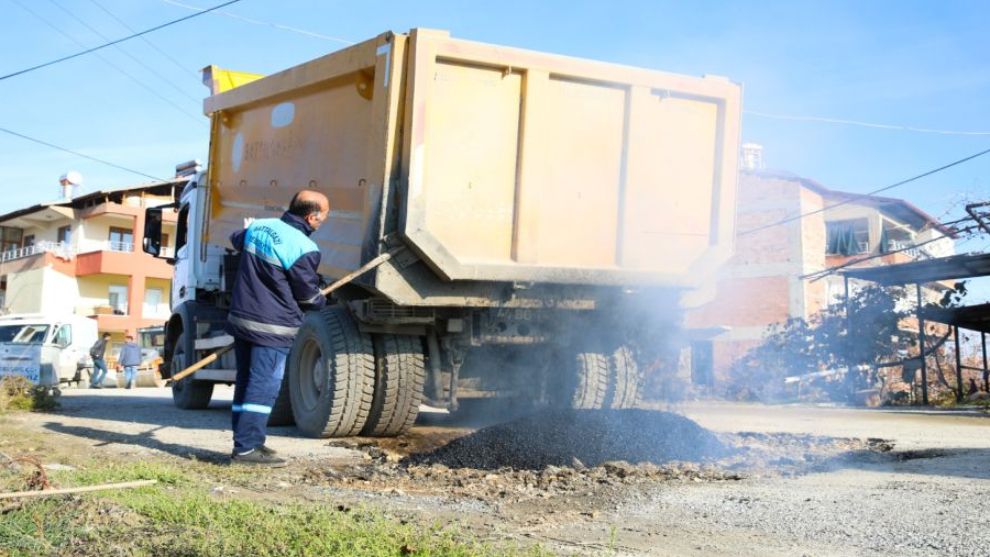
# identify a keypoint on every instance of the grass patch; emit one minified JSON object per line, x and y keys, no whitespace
{"x":182,"y":516}
{"x":19,"y":394}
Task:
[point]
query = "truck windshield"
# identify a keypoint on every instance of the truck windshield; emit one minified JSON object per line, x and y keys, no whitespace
{"x":153,"y":338}
{"x":23,"y":334}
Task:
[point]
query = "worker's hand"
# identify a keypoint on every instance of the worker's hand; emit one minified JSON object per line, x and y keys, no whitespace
{"x":248,"y":221}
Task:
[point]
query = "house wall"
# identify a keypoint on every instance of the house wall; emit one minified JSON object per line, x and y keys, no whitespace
{"x":25,"y":291}
{"x":94,"y":291}
{"x":762,"y":283}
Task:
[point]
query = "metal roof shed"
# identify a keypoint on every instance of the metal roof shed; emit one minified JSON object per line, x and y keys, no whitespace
{"x":974,"y":318}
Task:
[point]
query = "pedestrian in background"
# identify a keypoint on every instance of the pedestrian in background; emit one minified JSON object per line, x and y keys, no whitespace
{"x":98,"y":353}
{"x":130,"y":359}
{"x":276,"y":281}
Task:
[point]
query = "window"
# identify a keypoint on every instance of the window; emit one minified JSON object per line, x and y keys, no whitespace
{"x":63,"y":336}
{"x":10,"y":238}
{"x":847,"y":237}
{"x":121,"y":239}
{"x":29,"y":240}
{"x":180,"y":228}
{"x":117,"y":298}
{"x":152,"y":301}
{"x":64,"y":235}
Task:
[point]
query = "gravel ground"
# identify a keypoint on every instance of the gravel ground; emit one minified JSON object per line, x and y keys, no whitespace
{"x":710,"y":479}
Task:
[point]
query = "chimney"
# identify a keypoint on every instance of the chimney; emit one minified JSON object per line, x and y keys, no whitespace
{"x":752,"y":156}
{"x":69,"y":181}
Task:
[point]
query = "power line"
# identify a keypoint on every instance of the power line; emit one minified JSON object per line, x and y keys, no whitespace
{"x":78,"y":154}
{"x":124,"y":52}
{"x":146,"y":40}
{"x":266,"y":23}
{"x":862,"y":124}
{"x":111,"y":43}
{"x":107,"y":61}
{"x":857,"y":197}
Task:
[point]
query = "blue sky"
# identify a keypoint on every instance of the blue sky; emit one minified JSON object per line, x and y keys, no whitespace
{"x":905,"y":63}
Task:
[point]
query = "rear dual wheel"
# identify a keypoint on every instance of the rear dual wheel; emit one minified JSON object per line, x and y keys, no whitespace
{"x":343,"y":382}
{"x":400,"y":371}
{"x":331,"y":372}
{"x":594,"y":377}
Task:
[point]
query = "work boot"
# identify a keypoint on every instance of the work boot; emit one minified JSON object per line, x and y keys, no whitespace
{"x":267,"y":450}
{"x":257,"y":457}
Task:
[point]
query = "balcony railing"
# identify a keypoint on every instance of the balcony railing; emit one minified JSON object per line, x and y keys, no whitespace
{"x":60,"y":249}
{"x":906,"y":248}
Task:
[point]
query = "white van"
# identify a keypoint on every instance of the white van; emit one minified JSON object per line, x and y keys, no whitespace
{"x":48,"y":350}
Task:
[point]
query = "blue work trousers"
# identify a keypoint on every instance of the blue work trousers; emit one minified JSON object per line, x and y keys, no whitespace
{"x":259,"y":377}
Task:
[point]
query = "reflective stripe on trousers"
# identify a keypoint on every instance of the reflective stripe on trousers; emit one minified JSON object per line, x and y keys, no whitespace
{"x":259,"y":378}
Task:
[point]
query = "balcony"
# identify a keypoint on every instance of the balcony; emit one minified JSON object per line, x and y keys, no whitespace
{"x":56,"y":255}
{"x":907,"y":248}
{"x":59,"y":249}
{"x":119,"y":258}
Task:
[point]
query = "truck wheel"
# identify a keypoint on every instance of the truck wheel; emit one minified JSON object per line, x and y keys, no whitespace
{"x":400,"y":370}
{"x":624,"y":379}
{"x":584,"y":381}
{"x":331,"y":375}
{"x":282,"y":410}
{"x":188,"y":393}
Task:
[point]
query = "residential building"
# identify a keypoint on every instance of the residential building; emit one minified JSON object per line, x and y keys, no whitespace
{"x":789,"y":230}
{"x":82,"y":255}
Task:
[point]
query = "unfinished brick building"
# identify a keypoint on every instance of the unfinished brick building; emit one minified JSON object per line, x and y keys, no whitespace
{"x":765,"y":282}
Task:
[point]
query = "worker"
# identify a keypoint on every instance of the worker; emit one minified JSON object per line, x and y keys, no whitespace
{"x":98,"y":353}
{"x":129,"y":360}
{"x":276,"y":282}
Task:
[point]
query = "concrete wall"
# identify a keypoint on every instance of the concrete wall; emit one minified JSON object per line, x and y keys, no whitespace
{"x":94,"y":291}
{"x":162,"y":311}
{"x":25,"y":291}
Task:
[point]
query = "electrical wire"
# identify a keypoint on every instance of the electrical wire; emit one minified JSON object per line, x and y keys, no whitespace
{"x":856,"y":197}
{"x":266,"y":23}
{"x":124,"y":52}
{"x":136,"y":81}
{"x":862,"y":124}
{"x":78,"y":154}
{"x":146,"y":40}
{"x":117,"y":41}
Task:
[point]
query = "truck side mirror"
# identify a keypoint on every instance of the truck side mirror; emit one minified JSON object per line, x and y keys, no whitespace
{"x":152,"y":242}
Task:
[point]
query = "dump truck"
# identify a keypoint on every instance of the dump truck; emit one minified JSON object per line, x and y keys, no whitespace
{"x":546,"y":215}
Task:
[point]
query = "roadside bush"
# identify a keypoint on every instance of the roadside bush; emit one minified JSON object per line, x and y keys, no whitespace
{"x":19,"y":394}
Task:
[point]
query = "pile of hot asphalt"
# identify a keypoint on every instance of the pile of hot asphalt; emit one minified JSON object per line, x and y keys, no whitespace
{"x":579,"y":438}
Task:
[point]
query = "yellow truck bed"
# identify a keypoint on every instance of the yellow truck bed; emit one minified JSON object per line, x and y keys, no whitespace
{"x":492,"y":164}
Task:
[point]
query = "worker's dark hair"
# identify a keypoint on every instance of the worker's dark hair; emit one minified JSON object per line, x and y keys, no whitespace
{"x":303,"y":207}
{"x":106,"y":335}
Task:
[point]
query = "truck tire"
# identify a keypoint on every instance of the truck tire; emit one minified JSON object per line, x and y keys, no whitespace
{"x":282,"y":410}
{"x":400,"y":371}
{"x":188,"y":393}
{"x":584,"y":382}
{"x":331,"y":375}
{"x":624,"y":379}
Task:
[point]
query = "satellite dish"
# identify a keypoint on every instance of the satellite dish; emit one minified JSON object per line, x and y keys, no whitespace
{"x":71,"y":178}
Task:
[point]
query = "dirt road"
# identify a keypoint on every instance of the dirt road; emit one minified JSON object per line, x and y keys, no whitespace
{"x":803,"y":481}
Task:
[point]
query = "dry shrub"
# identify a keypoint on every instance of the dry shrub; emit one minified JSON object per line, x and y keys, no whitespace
{"x":17,"y":393}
